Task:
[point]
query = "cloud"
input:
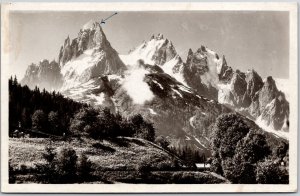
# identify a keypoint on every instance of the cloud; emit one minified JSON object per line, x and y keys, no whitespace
{"x":135,"y":85}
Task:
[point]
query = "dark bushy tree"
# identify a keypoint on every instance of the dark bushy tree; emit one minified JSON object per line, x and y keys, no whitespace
{"x":252,"y":148}
{"x":85,"y":122}
{"x":26,"y":118}
{"x":227,"y":132}
{"x":142,"y":129}
{"x":49,"y":169}
{"x":67,"y":165}
{"x":237,"y":150}
{"x":53,"y":120}
{"x":39,"y":120}
{"x":269,"y":172}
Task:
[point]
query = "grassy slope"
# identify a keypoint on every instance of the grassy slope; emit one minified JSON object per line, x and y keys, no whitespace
{"x":122,"y":155}
{"x":108,"y":154}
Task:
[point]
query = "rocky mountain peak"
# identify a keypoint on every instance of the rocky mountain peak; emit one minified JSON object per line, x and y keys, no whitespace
{"x":189,"y":56}
{"x":160,"y":36}
{"x":157,"y":51}
{"x":197,"y":61}
{"x":90,"y":24}
{"x":275,"y":114}
{"x":238,"y":87}
{"x":91,"y":36}
{"x":254,"y":82}
{"x":225,"y":72}
{"x":44,"y":74}
{"x":165,"y":53}
{"x":268,"y":92}
{"x":224,"y":62}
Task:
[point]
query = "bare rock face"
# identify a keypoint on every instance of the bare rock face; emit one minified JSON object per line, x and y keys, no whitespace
{"x":44,"y":75}
{"x":31,"y":75}
{"x":268,"y":92}
{"x":254,"y":108}
{"x":276,"y":113}
{"x":254,"y":84}
{"x":225,"y":72}
{"x":238,"y":87}
{"x":195,"y":67}
{"x":165,"y":53}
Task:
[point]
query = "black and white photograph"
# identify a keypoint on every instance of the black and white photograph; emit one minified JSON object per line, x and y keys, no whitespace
{"x":149,"y":97}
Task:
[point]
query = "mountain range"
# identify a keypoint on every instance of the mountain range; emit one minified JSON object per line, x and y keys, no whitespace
{"x":181,"y":97}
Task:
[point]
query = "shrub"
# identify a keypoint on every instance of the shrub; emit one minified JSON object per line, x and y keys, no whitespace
{"x":143,"y":169}
{"x":84,"y":168}
{"x":269,"y":172}
{"x":48,"y":169}
{"x":67,"y":165}
{"x":162,"y":141}
{"x":216,"y":166}
{"x":11,"y":173}
{"x":23,"y":169}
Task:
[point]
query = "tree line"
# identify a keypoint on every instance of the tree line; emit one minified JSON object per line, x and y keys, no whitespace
{"x":52,"y":113}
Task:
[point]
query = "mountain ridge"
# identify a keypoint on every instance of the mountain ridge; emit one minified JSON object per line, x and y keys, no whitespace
{"x":93,"y":72}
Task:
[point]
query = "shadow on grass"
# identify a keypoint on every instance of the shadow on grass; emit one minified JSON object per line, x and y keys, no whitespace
{"x":121,"y":142}
{"x":103,"y":147}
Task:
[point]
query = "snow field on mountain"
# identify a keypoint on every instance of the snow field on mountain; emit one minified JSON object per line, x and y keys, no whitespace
{"x":145,"y":51}
{"x":278,"y":133}
{"x":223,"y":94}
{"x":168,"y":68}
{"x":74,"y":69}
{"x":82,"y":62}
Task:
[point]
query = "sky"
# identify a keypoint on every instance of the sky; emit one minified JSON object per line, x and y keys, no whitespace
{"x":256,"y":39}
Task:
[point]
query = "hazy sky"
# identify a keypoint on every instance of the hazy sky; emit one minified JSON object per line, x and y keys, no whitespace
{"x":258,"y":40}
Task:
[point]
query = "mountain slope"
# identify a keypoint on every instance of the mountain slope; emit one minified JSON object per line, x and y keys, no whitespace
{"x":210,"y":76}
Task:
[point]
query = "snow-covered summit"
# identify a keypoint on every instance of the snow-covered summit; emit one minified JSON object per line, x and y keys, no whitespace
{"x":157,"y":50}
{"x":87,"y":56}
{"x":90,"y":25}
